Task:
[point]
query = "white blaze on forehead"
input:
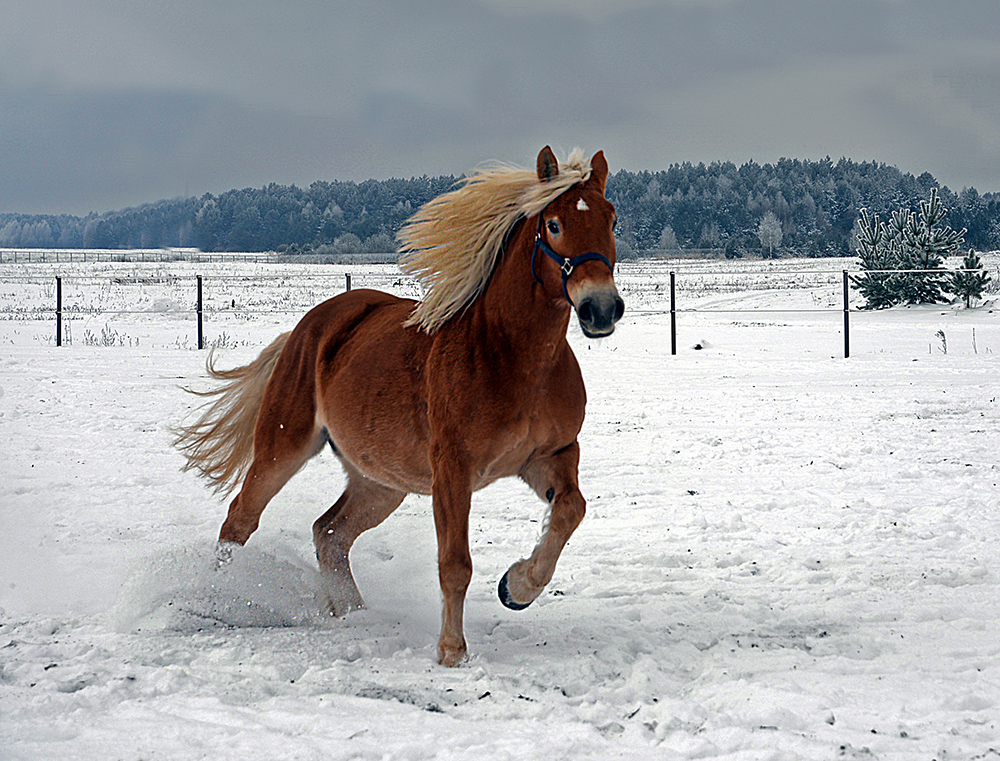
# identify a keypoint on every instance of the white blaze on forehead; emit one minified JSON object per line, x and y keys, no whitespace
{"x":581,"y":205}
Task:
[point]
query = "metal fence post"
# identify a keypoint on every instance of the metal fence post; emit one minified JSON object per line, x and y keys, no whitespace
{"x":58,"y":311}
{"x":673,"y":314}
{"x":347,"y":277}
{"x":847,"y":318}
{"x":198,"y":308}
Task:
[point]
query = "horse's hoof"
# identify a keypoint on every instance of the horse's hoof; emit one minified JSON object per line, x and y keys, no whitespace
{"x":224,"y":554}
{"x":452,"y":656}
{"x":340,"y":608}
{"x":505,"y":597}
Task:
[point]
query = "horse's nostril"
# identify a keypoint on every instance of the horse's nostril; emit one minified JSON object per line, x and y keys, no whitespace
{"x":619,"y":308}
{"x":585,"y":312}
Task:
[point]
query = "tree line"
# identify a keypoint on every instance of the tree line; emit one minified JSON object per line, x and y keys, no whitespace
{"x":791,"y":207}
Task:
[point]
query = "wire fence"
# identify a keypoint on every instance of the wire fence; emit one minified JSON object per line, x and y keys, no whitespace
{"x":222,"y":297}
{"x":814,"y":292}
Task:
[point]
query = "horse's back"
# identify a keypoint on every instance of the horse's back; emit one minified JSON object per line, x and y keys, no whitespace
{"x":319,"y":335}
{"x":346,"y":310}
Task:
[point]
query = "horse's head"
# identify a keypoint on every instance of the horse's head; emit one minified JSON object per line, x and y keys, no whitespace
{"x":576,"y":236}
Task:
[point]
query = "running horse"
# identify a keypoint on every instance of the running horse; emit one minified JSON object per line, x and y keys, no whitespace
{"x":475,"y":383}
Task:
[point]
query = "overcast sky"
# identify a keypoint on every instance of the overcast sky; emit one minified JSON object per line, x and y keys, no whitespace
{"x":110,"y":104}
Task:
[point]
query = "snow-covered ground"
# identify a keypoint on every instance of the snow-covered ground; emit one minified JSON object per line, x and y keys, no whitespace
{"x":786,"y":554}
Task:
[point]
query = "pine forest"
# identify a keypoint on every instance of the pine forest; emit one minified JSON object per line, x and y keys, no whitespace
{"x":789,"y":208}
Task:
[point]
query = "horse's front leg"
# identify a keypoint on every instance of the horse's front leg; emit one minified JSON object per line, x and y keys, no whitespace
{"x":452,"y":495}
{"x":553,"y":478}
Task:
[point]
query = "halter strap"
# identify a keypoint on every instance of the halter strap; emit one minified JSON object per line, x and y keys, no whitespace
{"x":566,"y":265}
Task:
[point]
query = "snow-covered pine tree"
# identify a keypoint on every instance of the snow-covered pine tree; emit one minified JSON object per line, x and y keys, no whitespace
{"x":969,"y":284}
{"x":923,"y":244}
{"x":877,"y":252}
{"x":910,"y":241}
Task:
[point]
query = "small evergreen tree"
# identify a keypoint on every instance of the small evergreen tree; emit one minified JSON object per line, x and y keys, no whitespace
{"x":910,"y":241}
{"x":877,"y":251}
{"x":924,"y":243}
{"x":969,"y":283}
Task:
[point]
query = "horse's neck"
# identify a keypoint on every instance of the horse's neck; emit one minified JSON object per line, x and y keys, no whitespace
{"x":516,"y":306}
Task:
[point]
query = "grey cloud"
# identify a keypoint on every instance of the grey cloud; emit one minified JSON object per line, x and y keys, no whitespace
{"x":104,"y":104}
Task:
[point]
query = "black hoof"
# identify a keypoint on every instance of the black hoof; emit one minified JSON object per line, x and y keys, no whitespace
{"x":505,"y":598}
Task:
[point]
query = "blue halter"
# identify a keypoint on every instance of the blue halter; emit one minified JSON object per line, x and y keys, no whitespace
{"x":566,"y":266}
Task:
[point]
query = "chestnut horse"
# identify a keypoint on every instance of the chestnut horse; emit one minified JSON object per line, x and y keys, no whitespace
{"x":475,"y":383}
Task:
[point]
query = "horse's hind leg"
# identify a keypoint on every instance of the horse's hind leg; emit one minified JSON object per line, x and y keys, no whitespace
{"x":277,"y":457}
{"x":554,"y":479}
{"x":363,"y":505}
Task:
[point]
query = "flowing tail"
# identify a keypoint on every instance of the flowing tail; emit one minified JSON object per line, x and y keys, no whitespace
{"x":219,"y":445}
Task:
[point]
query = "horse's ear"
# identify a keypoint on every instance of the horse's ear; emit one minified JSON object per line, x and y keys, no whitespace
{"x":547,"y":164}
{"x":599,"y":170}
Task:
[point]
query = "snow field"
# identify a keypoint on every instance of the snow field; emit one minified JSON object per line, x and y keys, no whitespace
{"x":786,"y":555}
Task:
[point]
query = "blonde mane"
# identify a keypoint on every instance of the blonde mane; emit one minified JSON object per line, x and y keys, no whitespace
{"x":451,"y":245}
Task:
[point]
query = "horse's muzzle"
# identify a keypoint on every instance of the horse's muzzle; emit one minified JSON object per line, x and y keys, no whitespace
{"x":598,"y":311}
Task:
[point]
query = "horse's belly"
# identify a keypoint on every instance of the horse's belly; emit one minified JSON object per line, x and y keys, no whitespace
{"x":388,"y":456}
{"x":376,"y":418}
{"x":390,"y":442}
{"x":379,"y":437}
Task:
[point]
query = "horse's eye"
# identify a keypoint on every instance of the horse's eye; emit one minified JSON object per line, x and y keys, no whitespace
{"x":553,"y":226}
